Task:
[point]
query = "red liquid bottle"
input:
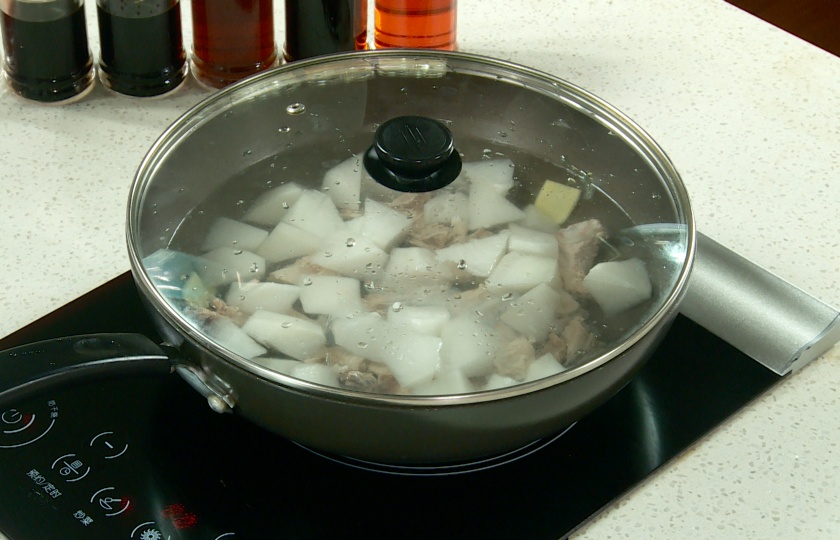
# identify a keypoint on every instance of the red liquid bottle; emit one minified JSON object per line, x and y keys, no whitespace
{"x":47,"y":54}
{"x":232,"y":39}
{"x":419,"y":24}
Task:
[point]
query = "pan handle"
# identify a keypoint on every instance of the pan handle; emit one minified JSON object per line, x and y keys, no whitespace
{"x":47,"y":364}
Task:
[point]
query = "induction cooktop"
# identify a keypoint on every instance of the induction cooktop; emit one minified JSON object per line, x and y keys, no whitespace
{"x":145,"y":458}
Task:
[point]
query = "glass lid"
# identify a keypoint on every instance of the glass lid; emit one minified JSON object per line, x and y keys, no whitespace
{"x":417,"y":223}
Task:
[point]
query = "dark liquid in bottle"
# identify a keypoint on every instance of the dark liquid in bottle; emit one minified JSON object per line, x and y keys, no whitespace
{"x":315,"y":27}
{"x":232,"y":39}
{"x":422,"y":24}
{"x":48,"y":60}
{"x":142,"y":50}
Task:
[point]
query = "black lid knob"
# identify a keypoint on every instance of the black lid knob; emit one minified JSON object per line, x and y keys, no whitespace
{"x":413,"y":154}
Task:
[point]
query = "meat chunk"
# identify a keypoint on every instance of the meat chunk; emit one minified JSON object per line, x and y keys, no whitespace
{"x":579,"y":341}
{"x":437,"y":235}
{"x":514,"y":359}
{"x":356,"y":372}
{"x":578,"y":245}
{"x":294,"y":273}
{"x":218,"y":308}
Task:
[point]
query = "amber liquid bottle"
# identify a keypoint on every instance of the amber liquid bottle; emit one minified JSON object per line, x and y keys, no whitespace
{"x":423,"y":24}
{"x":232,"y":39}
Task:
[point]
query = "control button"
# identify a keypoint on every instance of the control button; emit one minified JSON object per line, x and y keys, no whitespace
{"x":226,"y":535}
{"x":107,"y":500}
{"x":19,"y":428}
{"x":12,"y":416}
{"x":109,"y":445}
{"x":71,"y":469}
{"x":16,"y":421}
{"x":148,"y":531}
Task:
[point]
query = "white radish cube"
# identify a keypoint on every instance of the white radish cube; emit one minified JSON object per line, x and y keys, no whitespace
{"x":226,"y":232}
{"x":487,"y":208}
{"x":385,"y":226}
{"x":227,"y":334}
{"x":280,"y":365}
{"x":478,"y":257}
{"x":196,"y":293}
{"x":618,"y":285}
{"x":412,"y":268}
{"x":567,"y":304}
{"x":496,"y":381}
{"x":373,"y":189}
{"x":420,"y":319}
{"x":316,"y":373}
{"x":356,"y":257}
{"x":343,"y":183}
{"x":544,"y":366}
{"x":497,"y":173}
{"x":413,"y":358}
{"x":535,"y":219}
{"x":478,"y":303}
{"x":298,"y":338}
{"x":360,"y":334}
{"x":445,"y":383}
{"x":518,"y":273}
{"x":532,"y":242}
{"x":468,"y":346}
{"x":533,"y":313}
{"x":446,"y":207}
{"x":330,"y":295}
{"x":271,"y":206}
{"x":256,"y":295}
{"x":226,"y":265}
{"x":353,"y":226}
{"x":288,"y":242}
{"x":315,"y":213}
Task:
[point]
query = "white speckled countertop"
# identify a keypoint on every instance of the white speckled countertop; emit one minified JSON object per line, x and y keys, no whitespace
{"x":749,"y":114}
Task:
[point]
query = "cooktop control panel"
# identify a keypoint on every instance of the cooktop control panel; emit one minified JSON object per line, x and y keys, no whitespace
{"x":80,"y":464}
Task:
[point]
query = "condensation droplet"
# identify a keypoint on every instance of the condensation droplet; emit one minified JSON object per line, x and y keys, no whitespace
{"x":397,"y":306}
{"x":284,"y":129}
{"x":462,"y":264}
{"x":350,"y":242}
{"x":307,"y":282}
{"x":286,"y":325}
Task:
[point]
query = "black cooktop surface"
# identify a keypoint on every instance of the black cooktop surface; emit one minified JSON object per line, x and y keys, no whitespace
{"x":144,"y":458}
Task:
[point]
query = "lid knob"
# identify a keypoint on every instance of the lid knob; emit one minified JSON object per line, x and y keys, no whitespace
{"x":413,"y":154}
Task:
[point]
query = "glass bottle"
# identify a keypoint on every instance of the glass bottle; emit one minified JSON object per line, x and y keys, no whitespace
{"x":141,"y":48}
{"x":46,"y":48}
{"x":232,"y":39}
{"x":420,"y":24}
{"x":315,"y":27}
